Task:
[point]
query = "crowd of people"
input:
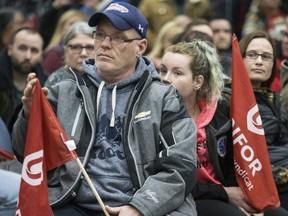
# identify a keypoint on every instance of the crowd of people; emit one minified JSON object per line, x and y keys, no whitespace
{"x":143,"y":88}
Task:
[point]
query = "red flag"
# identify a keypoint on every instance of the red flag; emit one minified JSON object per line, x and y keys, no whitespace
{"x":251,"y":159}
{"x":45,"y":150}
{"x":6,"y":152}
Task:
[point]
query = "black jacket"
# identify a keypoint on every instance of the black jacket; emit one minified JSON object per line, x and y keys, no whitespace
{"x":275,"y":123}
{"x":220,"y":149}
{"x":274,"y":117}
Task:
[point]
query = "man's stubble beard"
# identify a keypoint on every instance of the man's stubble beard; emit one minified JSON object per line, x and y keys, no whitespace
{"x":23,"y":68}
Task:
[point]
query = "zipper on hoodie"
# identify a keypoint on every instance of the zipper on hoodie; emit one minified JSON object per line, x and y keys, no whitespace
{"x":63,"y":199}
{"x":127,"y":128}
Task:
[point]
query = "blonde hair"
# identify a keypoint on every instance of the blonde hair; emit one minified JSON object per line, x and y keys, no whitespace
{"x":59,"y":33}
{"x":206,"y":62}
{"x":168,"y":31}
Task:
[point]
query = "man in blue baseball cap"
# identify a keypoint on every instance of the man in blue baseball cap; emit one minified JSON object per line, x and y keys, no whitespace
{"x":133,"y":133}
{"x":123,"y":16}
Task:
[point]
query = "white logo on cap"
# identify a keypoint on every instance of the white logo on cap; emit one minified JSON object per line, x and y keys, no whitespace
{"x":117,"y":7}
{"x":140,"y":28}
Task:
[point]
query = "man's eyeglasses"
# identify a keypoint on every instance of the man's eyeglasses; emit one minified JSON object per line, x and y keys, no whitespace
{"x":77,"y":48}
{"x":253,"y":55}
{"x":114,"y":39}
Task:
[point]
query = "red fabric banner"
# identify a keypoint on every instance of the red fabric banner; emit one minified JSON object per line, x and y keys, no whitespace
{"x":251,"y":159}
{"x":45,"y":150}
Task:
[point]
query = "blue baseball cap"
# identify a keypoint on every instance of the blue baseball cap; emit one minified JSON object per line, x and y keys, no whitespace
{"x":124,"y":16}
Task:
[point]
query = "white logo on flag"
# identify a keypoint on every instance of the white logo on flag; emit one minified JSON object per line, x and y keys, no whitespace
{"x":254,"y":122}
{"x":32,"y":171}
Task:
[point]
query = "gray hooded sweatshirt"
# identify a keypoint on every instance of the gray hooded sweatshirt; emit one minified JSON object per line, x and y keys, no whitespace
{"x":158,"y":138}
{"x":114,"y":187}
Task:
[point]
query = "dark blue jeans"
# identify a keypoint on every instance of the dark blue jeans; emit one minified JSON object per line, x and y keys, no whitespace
{"x":73,"y":210}
{"x":215,"y":207}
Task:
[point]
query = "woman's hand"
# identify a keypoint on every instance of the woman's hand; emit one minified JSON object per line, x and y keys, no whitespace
{"x":236,"y":197}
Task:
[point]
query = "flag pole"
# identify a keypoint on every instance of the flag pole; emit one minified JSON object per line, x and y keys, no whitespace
{"x":70,"y":144}
{"x":92,"y":186}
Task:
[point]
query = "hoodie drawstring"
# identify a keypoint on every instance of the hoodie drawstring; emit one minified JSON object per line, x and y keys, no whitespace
{"x":112,"y":121}
{"x":99,"y":96}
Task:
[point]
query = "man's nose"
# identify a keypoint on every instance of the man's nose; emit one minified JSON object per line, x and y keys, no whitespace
{"x":28,"y":54}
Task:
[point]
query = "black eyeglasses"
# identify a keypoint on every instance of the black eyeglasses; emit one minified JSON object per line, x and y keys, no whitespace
{"x":253,"y":55}
{"x":77,"y":48}
{"x":114,"y":39}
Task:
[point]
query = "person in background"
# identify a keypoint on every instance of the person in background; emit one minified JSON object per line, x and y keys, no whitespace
{"x":9,"y":186}
{"x":9,"y":181}
{"x":90,"y":7}
{"x":11,"y":20}
{"x":78,"y":46}
{"x":282,"y":54}
{"x":284,"y":70}
{"x":22,"y":56}
{"x":165,"y":38}
{"x":222,"y":40}
{"x":199,"y":29}
{"x":49,"y":13}
{"x":133,"y":133}
{"x":53,"y":57}
{"x":259,"y":56}
{"x":199,"y":25}
{"x":194,"y":35}
{"x":194,"y":69}
{"x":265,"y":15}
{"x":160,"y":12}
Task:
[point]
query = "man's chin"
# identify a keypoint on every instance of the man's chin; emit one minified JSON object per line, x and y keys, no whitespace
{"x":26,"y":71}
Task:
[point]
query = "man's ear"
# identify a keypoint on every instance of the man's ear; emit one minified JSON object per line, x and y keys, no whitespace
{"x":142,"y":45}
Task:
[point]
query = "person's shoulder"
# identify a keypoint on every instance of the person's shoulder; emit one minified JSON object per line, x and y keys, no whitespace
{"x":5,"y":60}
{"x":224,"y":106}
{"x":56,"y":74}
{"x":60,"y":75}
{"x":284,"y":65}
{"x":226,"y":93}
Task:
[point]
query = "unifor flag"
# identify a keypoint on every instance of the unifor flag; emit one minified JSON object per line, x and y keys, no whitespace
{"x":46,"y":148}
{"x":251,"y":159}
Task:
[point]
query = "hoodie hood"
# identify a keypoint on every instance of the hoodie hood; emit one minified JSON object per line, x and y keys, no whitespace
{"x":143,"y":64}
{"x":114,"y":97}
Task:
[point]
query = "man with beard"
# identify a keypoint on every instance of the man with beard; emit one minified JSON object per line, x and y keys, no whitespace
{"x":21,"y":57}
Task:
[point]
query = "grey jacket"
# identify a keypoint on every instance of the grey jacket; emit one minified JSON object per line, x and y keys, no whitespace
{"x":160,"y":147}
{"x":284,"y":83}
